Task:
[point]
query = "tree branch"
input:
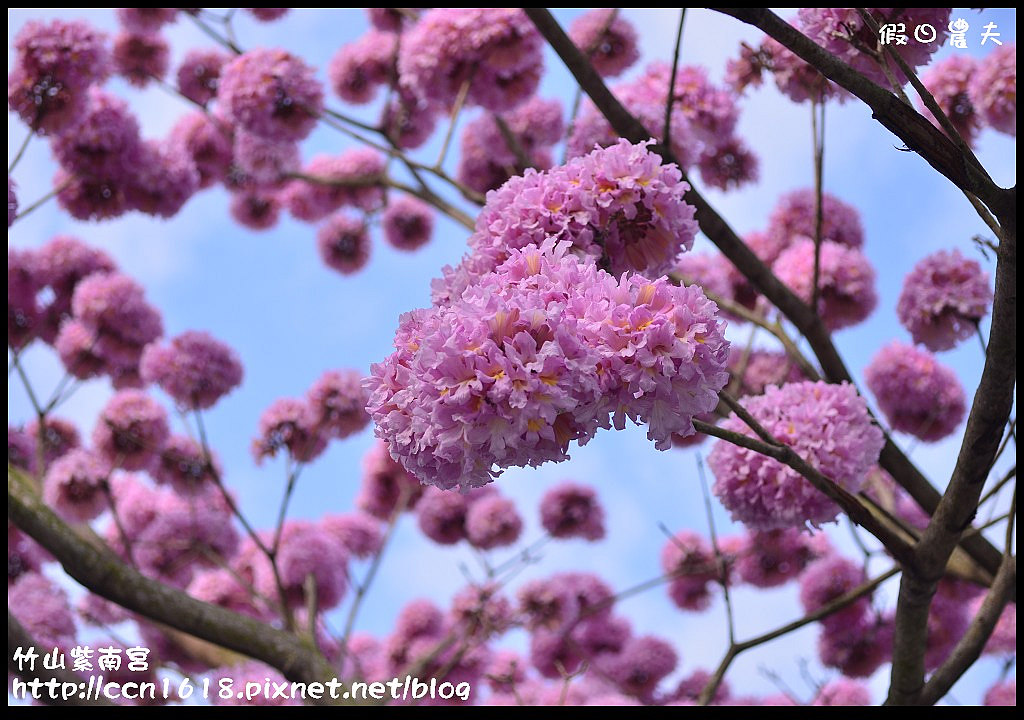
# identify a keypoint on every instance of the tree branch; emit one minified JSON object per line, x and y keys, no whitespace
{"x":968,"y":650}
{"x":900,"y":119}
{"x":724,"y":237}
{"x":990,"y":411}
{"x":104,"y":574}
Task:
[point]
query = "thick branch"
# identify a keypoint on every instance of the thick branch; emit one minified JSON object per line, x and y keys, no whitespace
{"x":899,"y":118}
{"x":968,"y":650}
{"x":990,"y":411}
{"x":724,"y":237}
{"x":104,"y":574}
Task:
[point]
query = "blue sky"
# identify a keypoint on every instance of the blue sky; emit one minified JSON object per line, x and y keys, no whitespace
{"x":290,"y":318}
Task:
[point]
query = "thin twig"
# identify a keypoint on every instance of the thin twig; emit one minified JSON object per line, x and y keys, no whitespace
{"x":670,"y":101}
{"x":723,"y":569}
{"x":20,"y":152}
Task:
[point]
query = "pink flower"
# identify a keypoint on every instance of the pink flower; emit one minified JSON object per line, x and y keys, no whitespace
{"x":146,"y":20}
{"x":359,"y":533}
{"x":943,"y":299}
{"x":55,"y":65}
{"x":384,"y":484}
{"x":993,"y":89}
{"x":607,"y":39}
{"x":496,"y":51}
{"x":794,"y":218}
{"x":42,"y":608}
{"x":769,"y":558}
{"x":916,"y":394}
{"x":141,"y":57}
{"x":689,"y":561}
{"x":829,"y":578}
{"x":492,"y":522}
{"x":948,"y":82}
{"x":339,"y":401}
{"x":843,"y":32}
{"x":199,"y":74}
{"x":846,"y":281}
{"x":642,"y":663}
{"x":292,"y":424}
{"x":488,"y":160}
{"x":571,"y":510}
{"x":184,"y":466}
{"x":57,"y":437}
{"x":344,"y":243}
{"x":207,"y":142}
{"x":271,"y":93}
{"x":544,"y":351}
{"x":360,"y":67}
{"x":826,"y":425}
{"x":407,"y":223}
{"x":131,"y":431}
{"x":195,"y":369}
{"x":163,"y":182}
{"x":75,"y":486}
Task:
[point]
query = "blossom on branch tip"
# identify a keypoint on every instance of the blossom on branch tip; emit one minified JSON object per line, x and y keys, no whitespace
{"x":993,"y":89}
{"x":131,"y":431}
{"x":828,"y":426}
{"x":75,"y":485}
{"x":943,"y":299}
{"x":571,"y":510}
{"x":56,"y":63}
{"x":199,"y":74}
{"x":271,"y":93}
{"x":607,"y":39}
{"x":915,"y":393}
{"x":846,"y":281}
{"x":141,"y":57}
{"x":494,"y":52}
{"x":541,"y":352}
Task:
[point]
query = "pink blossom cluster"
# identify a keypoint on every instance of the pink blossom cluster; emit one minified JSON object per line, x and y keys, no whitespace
{"x":489,"y":158}
{"x":491,"y":56}
{"x":618,"y":205}
{"x":56,"y":63}
{"x":993,"y":89}
{"x":332,"y":409}
{"x":607,"y":39}
{"x":702,"y":130}
{"x":541,"y":352}
{"x":915,"y":393}
{"x":765,"y":494}
{"x":844,"y":33}
{"x":943,"y":299}
{"x":195,"y":369}
{"x":793,"y":77}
